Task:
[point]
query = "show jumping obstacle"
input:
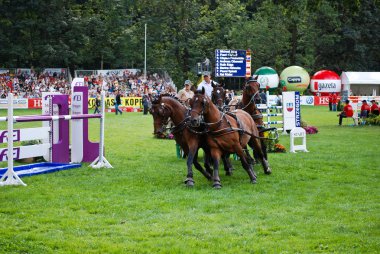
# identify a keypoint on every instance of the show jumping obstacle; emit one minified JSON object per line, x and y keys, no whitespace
{"x":266,"y":108}
{"x":57,"y":148}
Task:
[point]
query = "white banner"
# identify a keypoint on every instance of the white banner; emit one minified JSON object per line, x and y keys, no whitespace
{"x":21,"y":71}
{"x":51,"y":71}
{"x":291,"y":110}
{"x":326,"y":85}
{"x":307,"y":100}
{"x":17,"y":103}
{"x":117,"y":72}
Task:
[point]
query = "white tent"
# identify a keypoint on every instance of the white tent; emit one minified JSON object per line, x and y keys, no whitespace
{"x":361,"y":83}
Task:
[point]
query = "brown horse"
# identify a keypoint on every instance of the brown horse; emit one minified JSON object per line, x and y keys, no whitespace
{"x":165,"y":107}
{"x":226,"y":134}
{"x":250,"y":95}
{"x":218,"y":96}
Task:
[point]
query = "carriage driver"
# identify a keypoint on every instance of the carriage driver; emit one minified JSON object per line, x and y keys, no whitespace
{"x":206,"y":83}
{"x":185,"y":94}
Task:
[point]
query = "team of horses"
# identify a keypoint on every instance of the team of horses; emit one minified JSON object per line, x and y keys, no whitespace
{"x":208,"y":124}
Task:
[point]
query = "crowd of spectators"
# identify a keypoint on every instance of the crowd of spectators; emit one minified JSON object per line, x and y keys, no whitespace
{"x":32,"y":84}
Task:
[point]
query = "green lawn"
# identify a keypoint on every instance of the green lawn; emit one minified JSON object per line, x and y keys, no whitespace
{"x":323,"y":201}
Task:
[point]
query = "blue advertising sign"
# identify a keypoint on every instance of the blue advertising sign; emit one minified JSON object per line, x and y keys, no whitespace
{"x":298,"y":109}
{"x":230,"y":63}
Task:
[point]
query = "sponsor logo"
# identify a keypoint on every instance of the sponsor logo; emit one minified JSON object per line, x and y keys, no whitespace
{"x":289,"y":106}
{"x":316,"y":85}
{"x":326,"y":85}
{"x":4,"y":154}
{"x":264,"y":81}
{"x":295,"y":79}
{"x":298,"y":109}
{"x":77,"y":97}
{"x":309,"y":100}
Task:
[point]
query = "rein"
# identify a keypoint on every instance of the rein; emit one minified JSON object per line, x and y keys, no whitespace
{"x":251,"y":101}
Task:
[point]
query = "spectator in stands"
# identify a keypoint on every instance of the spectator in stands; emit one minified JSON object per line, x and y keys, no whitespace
{"x":147,"y":104}
{"x":185,"y":94}
{"x":374,"y":108}
{"x":347,"y":112}
{"x":334,"y":101}
{"x":206,"y":84}
{"x":97,"y":104}
{"x":365,"y":109}
{"x":117,"y":103}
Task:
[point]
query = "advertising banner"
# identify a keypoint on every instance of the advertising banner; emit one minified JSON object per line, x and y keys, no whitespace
{"x":291,"y":110}
{"x":325,"y":86}
{"x":57,"y":71}
{"x":307,"y":100}
{"x":134,"y":102}
{"x":17,"y":103}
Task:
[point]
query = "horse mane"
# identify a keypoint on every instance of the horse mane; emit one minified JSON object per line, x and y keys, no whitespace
{"x":156,"y":99}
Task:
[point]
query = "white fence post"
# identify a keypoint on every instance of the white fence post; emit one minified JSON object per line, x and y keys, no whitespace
{"x":10,"y":177}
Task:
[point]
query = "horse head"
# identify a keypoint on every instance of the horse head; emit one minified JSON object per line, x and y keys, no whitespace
{"x":199,"y":104}
{"x":251,"y":90}
{"x":160,"y":115}
{"x":218,"y":96}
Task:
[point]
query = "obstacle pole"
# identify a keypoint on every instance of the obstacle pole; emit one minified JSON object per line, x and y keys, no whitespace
{"x":101,"y":161}
{"x":10,"y":177}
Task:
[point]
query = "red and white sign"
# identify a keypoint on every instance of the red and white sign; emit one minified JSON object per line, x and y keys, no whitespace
{"x":325,"y":81}
{"x":35,"y":103}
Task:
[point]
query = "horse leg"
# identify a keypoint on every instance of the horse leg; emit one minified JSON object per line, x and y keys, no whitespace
{"x":198,"y":166}
{"x":250,"y":160}
{"x":216,"y":157}
{"x":227,"y":164}
{"x":189,"y":178}
{"x":245,"y":164}
{"x":207,"y":162}
{"x":256,"y":145}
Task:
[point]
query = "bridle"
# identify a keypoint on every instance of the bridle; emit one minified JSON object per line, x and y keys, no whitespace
{"x":252,"y":101}
{"x":216,"y":100}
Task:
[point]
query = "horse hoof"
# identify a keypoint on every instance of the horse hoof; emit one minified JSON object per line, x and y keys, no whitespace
{"x":229,"y":173}
{"x":217,"y":186}
{"x":268,"y":171}
{"x":189,"y":182}
{"x":254,"y":181}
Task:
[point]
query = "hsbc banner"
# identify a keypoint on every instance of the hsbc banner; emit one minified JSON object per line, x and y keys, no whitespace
{"x":291,"y":110}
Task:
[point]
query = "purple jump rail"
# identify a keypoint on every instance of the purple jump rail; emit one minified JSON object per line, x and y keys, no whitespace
{"x":37,"y":118}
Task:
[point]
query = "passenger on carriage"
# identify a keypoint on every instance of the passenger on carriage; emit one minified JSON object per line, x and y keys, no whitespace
{"x":374,"y":108}
{"x":185,"y":94}
{"x":347,"y":112}
{"x":365,"y":109}
{"x":206,"y":83}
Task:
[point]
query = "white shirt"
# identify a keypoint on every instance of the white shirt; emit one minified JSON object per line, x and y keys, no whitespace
{"x":208,"y":87}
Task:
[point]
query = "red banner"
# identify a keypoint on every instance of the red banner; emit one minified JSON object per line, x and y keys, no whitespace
{"x":35,"y":103}
{"x":322,"y":100}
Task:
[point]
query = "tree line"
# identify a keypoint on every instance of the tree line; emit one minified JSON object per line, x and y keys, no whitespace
{"x":341,"y":35}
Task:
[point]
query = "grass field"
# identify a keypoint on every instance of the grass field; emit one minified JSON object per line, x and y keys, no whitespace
{"x":324,"y":201}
